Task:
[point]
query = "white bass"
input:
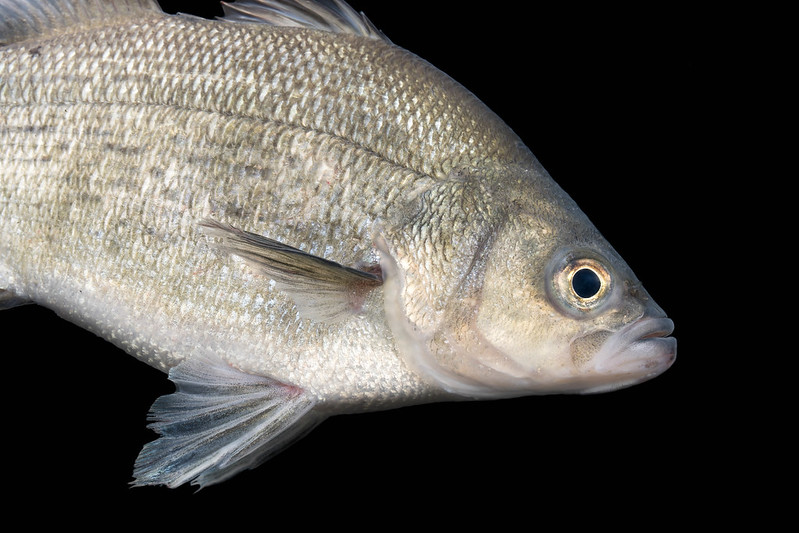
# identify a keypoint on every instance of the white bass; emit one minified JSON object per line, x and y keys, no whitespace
{"x":294,"y":218}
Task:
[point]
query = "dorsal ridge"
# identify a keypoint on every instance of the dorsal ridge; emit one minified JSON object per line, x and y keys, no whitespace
{"x":28,"y":19}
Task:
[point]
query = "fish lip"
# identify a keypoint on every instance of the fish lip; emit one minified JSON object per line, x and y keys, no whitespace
{"x":649,"y":328}
{"x":637,"y":352}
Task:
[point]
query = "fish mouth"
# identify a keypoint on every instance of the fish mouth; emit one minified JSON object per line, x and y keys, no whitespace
{"x":649,"y":328}
{"x":635,"y":353}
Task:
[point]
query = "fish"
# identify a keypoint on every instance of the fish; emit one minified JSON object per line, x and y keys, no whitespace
{"x":293,"y":218}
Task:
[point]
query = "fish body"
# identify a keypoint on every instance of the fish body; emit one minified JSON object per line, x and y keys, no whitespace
{"x":294,"y":218}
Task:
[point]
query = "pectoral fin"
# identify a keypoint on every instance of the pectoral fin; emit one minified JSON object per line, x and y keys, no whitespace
{"x":220,"y":421}
{"x":321,"y":289}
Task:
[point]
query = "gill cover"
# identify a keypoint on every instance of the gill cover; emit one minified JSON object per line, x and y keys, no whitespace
{"x":433,"y":259}
{"x":494,"y":292}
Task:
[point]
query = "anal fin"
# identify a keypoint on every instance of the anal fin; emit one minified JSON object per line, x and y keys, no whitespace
{"x":220,"y":421}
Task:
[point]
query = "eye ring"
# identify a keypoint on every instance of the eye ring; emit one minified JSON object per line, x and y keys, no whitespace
{"x":580,"y":282}
{"x":584,"y":282}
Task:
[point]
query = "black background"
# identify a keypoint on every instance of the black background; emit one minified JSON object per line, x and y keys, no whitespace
{"x":606,"y":99}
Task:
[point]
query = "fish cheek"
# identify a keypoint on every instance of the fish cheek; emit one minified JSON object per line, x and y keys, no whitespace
{"x":516,"y":318}
{"x":516,"y":314}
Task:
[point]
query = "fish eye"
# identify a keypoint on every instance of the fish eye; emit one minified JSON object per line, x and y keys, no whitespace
{"x":579,"y":284}
{"x":586,"y":283}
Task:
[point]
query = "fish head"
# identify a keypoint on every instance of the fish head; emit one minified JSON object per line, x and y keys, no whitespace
{"x":540,"y":302}
{"x":567,"y":314}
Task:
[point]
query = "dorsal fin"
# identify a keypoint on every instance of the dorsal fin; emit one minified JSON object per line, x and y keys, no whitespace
{"x":327,"y":15}
{"x":26,"y":19}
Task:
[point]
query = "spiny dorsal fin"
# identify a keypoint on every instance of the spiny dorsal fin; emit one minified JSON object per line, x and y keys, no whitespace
{"x":21,"y":20}
{"x":326,"y":15}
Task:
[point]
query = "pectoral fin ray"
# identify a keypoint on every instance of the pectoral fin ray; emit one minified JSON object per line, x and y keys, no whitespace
{"x":321,"y":289}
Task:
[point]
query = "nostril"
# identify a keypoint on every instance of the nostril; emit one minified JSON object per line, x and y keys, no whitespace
{"x":635,"y":292}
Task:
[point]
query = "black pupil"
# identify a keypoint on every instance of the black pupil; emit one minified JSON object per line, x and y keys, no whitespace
{"x":586,"y":283}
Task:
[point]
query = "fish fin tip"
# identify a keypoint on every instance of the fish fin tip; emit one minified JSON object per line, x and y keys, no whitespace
{"x":322,"y":290}
{"x":219,"y":422}
{"x":332,"y":15}
{"x":20,"y":21}
{"x":9,"y":299}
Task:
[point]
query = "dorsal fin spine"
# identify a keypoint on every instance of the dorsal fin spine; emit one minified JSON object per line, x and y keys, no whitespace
{"x":31,"y":19}
{"x":326,"y":15}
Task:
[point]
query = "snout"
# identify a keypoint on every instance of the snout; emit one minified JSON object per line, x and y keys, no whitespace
{"x":640,"y":351}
